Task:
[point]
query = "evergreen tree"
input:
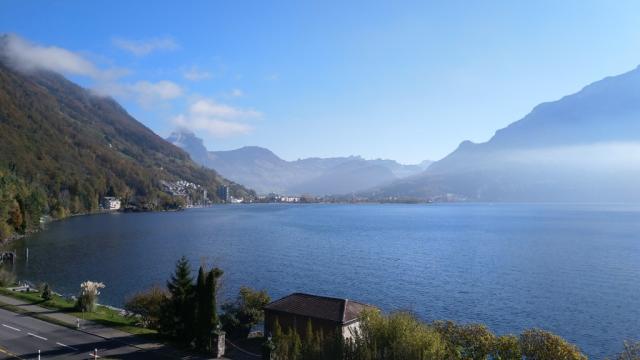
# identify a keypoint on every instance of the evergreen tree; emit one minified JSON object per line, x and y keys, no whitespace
{"x":309,"y":350}
{"x":46,"y":293}
{"x":180,"y":322}
{"x":202,"y":313}
{"x":211,"y":311}
{"x":212,"y":289}
{"x":295,"y":352}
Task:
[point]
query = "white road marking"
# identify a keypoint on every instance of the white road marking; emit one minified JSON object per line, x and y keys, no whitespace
{"x":11,"y":327}
{"x":67,"y":346}
{"x":37,"y":336}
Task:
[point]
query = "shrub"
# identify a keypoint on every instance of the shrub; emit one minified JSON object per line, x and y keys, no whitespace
{"x":148,"y":305}
{"x":396,"y":336}
{"x":245,"y":312}
{"x":506,"y":348}
{"x":7,"y":278}
{"x":471,"y":341}
{"x":6,"y":230}
{"x":288,"y":345}
{"x":538,"y":344}
{"x":46,"y":292}
{"x":88,"y":297}
{"x":631,"y":351}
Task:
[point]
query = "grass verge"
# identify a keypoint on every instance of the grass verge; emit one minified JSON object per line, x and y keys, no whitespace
{"x":103,"y":315}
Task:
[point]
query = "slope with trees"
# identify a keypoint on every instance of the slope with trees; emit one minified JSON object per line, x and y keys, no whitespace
{"x":63,"y":148}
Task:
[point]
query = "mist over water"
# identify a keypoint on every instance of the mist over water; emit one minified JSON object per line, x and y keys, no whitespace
{"x":598,"y":172}
{"x":570,"y":268}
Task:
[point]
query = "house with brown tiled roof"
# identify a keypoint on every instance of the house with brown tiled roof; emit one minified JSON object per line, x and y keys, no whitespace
{"x":328,"y":314}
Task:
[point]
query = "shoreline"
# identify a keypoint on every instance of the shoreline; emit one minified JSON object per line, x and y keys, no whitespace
{"x":15,"y":237}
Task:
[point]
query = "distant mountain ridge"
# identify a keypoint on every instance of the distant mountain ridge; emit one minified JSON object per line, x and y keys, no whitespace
{"x":264,"y":171}
{"x":583,"y":147}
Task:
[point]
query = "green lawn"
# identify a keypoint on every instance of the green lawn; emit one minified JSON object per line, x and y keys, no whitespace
{"x":102,"y":315}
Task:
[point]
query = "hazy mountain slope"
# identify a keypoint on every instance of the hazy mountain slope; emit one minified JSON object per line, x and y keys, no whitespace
{"x":583,"y":147}
{"x":345,"y":178}
{"x":253,"y":165}
{"x":77,"y":147}
{"x":265,"y":172}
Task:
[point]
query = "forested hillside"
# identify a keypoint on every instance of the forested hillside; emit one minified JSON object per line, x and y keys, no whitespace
{"x":62,"y":149}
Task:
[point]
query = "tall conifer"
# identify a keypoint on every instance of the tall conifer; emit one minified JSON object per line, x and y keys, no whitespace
{"x":180,"y":324}
{"x":201,"y":320}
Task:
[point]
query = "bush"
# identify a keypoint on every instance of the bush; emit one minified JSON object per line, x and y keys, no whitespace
{"x":46,"y":292}
{"x":402,"y":336}
{"x":88,"y":297}
{"x":396,"y":336}
{"x":7,"y":278}
{"x":288,"y":345}
{"x":507,"y":348}
{"x":6,"y":230}
{"x":631,"y":351}
{"x":148,"y":305}
{"x":471,"y":341}
{"x":245,"y":312}
{"x":538,"y":344}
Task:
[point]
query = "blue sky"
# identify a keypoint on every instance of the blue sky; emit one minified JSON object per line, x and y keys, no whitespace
{"x":401,"y":80}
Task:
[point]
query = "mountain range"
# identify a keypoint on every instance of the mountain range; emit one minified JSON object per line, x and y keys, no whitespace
{"x":584,"y":147}
{"x":265,"y":172}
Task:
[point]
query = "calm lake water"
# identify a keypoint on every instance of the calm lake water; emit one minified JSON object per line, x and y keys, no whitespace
{"x":571,"y":269}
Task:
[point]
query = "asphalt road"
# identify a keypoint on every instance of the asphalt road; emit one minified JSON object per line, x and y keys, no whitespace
{"x":21,"y":337}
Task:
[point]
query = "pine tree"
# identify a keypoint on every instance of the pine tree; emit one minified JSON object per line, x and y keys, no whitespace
{"x":277,"y":329}
{"x":181,"y":311}
{"x":202,"y":314}
{"x":212,"y":289}
{"x":296,"y":344}
{"x":210,"y":312}
{"x":308,"y":346}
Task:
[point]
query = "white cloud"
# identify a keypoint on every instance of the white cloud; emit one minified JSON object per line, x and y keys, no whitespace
{"x":30,"y":57}
{"x":219,"y":120}
{"x":145,"y":47}
{"x":237,"y":93}
{"x":211,"y":108}
{"x":146,"y":93}
{"x":215,"y":127}
{"x":163,"y":90}
{"x":195,"y":74}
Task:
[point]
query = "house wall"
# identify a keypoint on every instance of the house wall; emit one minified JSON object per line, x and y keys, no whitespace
{"x":349,"y":330}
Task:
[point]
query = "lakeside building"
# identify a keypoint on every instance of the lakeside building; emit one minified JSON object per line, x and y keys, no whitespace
{"x":276,"y":198}
{"x":111,"y":203}
{"x":331,"y":315}
{"x":224,"y":193}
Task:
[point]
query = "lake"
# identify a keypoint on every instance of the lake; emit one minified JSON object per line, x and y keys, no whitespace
{"x":570,"y":269}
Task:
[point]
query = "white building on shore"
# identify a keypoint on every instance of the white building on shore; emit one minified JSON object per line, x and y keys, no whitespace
{"x":111,"y":203}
